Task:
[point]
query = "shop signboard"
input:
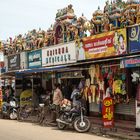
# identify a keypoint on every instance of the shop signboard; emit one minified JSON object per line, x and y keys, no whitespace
{"x":108,"y":112}
{"x":113,"y":43}
{"x":0,"y":99}
{"x":134,"y":39}
{"x":59,"y":54}
{"x":14,"y":62}
{"x":26,"y":98}
{"x":35,"y":59}
{"x":130,"y":63}
{"x":23,"y":60}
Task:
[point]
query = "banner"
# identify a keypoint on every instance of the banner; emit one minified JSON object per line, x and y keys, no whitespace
{"x":107,"y":44}
{"x":134,"y":39}
{"x":108,"y":112}
{"x":35,"y":59}
{"x":14,"y":62}
{"x":130,"y":63}
{"x":60,"y":54}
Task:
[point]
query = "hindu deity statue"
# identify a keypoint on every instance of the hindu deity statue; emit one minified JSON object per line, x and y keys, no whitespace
{"x":129,"y":15}
{"x":18,"y":43}
{"x":138,"y":14}
{"x":50,"y":36}
{"x":106,"y":23}
{"x":97,"y":21}
{"x":63,"y":27}
{"x":29,"y":41}
{"x":115,"y":13}
{"x":40,"y":38}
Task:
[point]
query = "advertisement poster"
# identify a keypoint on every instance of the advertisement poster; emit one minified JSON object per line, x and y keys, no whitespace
{"x":107,"y":44}
{"x":26,"y":97}
{"x":134,"y":39}
{"x":130,"y":63}
{"x":59,"y":54}
{"x":0,"y":99}
{"x":108,"y":112}
{"x":14,"y":62}
{"x":35,"y":59}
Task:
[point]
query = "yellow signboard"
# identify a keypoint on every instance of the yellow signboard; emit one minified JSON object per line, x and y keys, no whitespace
{"x":113,"y":43}
{"x":26,"y":98}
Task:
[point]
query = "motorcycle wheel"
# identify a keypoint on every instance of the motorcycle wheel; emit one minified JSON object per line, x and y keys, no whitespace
{"x":60,"y":125}
{"x":82,"y":127}
{"x":13,"y":115}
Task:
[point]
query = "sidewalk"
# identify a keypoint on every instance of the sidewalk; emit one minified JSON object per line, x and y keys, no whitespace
{"x":122,"y":130}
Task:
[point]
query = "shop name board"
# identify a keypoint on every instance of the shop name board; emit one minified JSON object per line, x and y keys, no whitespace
{"x":107,"y":44}
{"x":14,"y":62}
{"x":128,"y":63}
{"x":134,"y":39}
{"x":58,"y":55}
{"x":61,"y":54}
{"x":34,"y":59}
{"x":108,"y":112}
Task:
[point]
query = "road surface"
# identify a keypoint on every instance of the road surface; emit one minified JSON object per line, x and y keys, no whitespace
{"x":14,"y":130}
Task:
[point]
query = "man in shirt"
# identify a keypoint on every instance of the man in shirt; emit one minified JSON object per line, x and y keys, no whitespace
{"x":57,"y":99}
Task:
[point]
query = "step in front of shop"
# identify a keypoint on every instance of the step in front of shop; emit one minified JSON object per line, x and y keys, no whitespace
{"x":119,"y":124}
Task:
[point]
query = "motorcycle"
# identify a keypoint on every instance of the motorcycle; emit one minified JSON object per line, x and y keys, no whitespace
{"x":10,"y":110}
{"x":73,"y":117}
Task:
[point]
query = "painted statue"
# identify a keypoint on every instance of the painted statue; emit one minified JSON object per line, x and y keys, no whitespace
{"x":97,"y":21}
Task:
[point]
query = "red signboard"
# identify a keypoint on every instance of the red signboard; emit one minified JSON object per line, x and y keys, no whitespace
{"x":108,"y":112}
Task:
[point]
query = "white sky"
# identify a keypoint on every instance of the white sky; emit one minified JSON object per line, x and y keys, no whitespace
{"x":19,"y":16}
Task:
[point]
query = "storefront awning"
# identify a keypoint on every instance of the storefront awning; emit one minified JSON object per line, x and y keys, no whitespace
{"x":37,"y":70}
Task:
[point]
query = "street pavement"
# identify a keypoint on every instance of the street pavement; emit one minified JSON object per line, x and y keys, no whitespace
{"x":14,"y":130}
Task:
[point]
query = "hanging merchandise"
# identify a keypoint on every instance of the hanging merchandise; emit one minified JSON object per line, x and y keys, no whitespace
{"x":97,"y":74}
{"x":92,"y":72}
{"x":93,"y":91}
{"x":117,"y":86}
{"x":89,"y":95}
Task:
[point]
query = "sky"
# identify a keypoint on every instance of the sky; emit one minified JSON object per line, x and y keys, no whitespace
{"x":20,"y":16}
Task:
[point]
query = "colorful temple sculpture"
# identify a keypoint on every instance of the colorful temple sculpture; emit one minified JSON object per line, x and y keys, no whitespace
{"x":67,"y":27}
{"x":97,"y":21}
{"x":64,"y":26}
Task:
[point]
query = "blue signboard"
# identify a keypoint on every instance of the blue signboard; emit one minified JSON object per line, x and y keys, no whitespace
{"x":130,"y":63}
{"x":134,"y":39}
{"x":35,"y":59}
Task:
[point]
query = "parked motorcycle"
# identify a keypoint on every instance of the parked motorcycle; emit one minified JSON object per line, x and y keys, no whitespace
{"x":73,"y":117}
{"x":10,"y":110}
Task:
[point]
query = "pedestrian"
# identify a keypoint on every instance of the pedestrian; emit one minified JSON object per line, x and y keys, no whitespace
{"x":57,"y":100}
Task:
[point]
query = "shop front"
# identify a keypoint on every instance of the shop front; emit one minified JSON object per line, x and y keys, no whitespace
{"x":133,"y":65}
{"x":60,"y":55}
{"x":105,"y":77}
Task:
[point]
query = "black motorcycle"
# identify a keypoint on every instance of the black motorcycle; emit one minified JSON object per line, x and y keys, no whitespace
{"x":10,"y":109}
{"x":73,"y":117}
